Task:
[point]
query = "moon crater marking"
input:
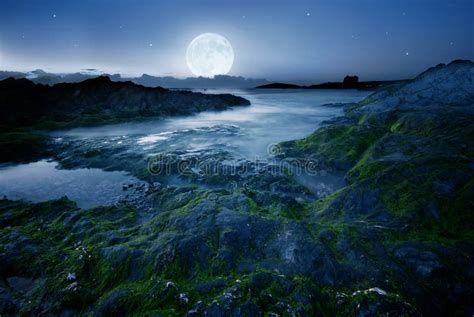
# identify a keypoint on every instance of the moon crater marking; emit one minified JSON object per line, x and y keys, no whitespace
{"x":209,"y":54}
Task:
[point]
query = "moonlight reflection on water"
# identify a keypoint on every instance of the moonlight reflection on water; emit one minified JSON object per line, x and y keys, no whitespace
{"x":243,"y":132}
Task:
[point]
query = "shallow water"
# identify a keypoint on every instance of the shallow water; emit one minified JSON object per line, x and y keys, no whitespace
{"x":41,"y":181}
{"x":246,"y":132}
{"x":243,"y":132}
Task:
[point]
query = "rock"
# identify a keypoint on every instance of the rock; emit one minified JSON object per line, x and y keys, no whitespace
{"x":327,"y":235}
{"x":377,"y":302}
{"x":116,"y":255}
{"x":8,"y":305}
{"x":249,"y":309}
{"x":418,"y":258}
{"x":197,"y":309}
{"x":156,"y":186}
{"x":135,"y":267}
{"x":21,"y":284}
{"x":194,"y":251}
{"x":17,"y":250}
{"x":212,"y":286}
{"x":58,"y":103}
{"x":72,"y":287}
{"x":113,"y":304}
{"x":183,"y":299}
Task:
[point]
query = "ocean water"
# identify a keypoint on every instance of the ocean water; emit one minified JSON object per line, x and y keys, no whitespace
{"x":243,"y":132}
{"x":274,"y":116}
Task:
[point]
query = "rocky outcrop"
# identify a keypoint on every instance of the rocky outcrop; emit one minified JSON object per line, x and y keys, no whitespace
{"x":98,"y":101}
{"x":349,"y":82}
{"x":408,"y":155}
{"x":26,"y":106}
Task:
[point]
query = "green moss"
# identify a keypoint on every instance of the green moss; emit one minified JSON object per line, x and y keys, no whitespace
{"x":321,"y":204}
{"x":340,"y":143}
{"x":22,"y":146}
{"x":430,"y":193}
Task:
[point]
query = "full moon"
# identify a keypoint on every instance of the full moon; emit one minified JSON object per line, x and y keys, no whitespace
{"x":209,"y":54}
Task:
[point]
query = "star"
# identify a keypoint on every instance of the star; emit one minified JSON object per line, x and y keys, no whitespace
{"x":150,"y":45}
{"x":308,"y":14}
{"x":54,"y":15}
{"x":407,"y":53}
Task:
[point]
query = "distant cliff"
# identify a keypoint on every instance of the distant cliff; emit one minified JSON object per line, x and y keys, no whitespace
{"x":98,"y":100}
{"x":350,"y":82}
{"x":281,"y":86}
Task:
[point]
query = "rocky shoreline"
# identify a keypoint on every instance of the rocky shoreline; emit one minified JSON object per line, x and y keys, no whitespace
{"x":28,"y":110}
{"x":396,"y":238}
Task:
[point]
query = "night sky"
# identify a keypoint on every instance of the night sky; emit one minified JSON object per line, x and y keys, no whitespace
{"x":278,"y":40}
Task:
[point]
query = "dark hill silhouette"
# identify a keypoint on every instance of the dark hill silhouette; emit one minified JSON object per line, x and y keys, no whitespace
{"x":349,"y":82}
{"x":219,"y":81}
{"x":98,"y":100}
{"x":280,"y":86}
